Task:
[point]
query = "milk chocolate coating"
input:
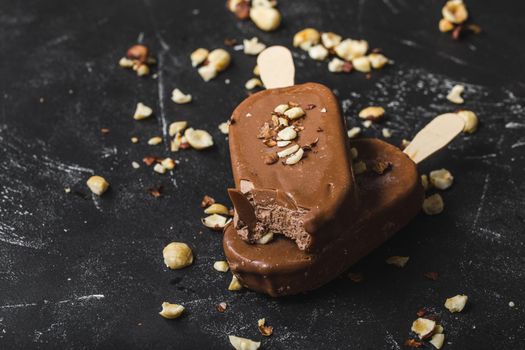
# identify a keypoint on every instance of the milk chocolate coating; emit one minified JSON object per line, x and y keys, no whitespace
{"x":385,"y":204}
{"x":319,"y":192}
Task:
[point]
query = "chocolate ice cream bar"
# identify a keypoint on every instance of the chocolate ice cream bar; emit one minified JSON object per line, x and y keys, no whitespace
{"x":291,"y":166}
{"x":386,"y":200}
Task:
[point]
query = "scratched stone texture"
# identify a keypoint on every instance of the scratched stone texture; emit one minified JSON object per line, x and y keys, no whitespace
{"x":80,"y":272}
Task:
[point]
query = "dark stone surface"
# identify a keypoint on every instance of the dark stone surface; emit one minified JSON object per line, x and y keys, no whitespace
{"x":78,"y":272}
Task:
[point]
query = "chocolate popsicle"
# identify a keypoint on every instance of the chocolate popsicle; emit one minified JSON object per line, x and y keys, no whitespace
{"x":321,"y":219}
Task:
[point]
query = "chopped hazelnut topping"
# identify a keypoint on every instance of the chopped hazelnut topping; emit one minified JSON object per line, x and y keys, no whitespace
{"x":441,"y":179}
{"x":361,"y":64}
{"x":288,"y":151}
{"x":158,"y":168}
{"x":253,"y":46}
{"x":318,"y":52}
{"x":177,"y":255}
{"x":374,"y":113}
{"x":404,"y":143}
{"x":156,"y":140}
{"x":283,"y":143}
{"x":437,"y":340}
{"x":207,"y":72}
{"x":295,"y":158}
{"x":265,"y":330}
{"x":445,"y":26}
{"x":294,"y":113}
{"x":217,"y":208}
{"x":386,"y":133}
{"x":138,"y":52}
{"x":224,"y":127}
{"x":399,"y":261}
{"x":198,"y":56}
{"x":219,"y":59}
{"x":456,"y":303}
{"x":330,"y":40}
{"x":454,"y":95}
{"x":455,"y":11}
{"x":198,"y":139}
{"x":97,"y":184}
{"x":412,"y":343}
{"x":177,"y":127}
{"x":265,"y":239}
{"x":142,"y":70}
{"x":221,"y":266}
{"x":280,"y":109}
{"x":424,"y":182}
{"x":253,"y":83}
{"x":306,"y":38}
{"x":367,"y":123}
{"x":265,"y":18}
{"x":215,"y":222}
{"x":354,"y":132}
{"x":423,"y":327}
{"x":377,"y":60}
{"x":234,"y":284}
{"x":125,"y":62}
{"x":243,"y":344}
{"x":287,"y":134}
{"x":349,"y":49}
{"x":433,"y":205}
{"x":134,"y":139}
{"x":142,"y":112}
{"x":207,"y":201}
{"x":168,"y":163}
{"x":171,"y":311}
{"x":336,"y":65}
{"x":179,"y":97}
{"x":135,"y":165}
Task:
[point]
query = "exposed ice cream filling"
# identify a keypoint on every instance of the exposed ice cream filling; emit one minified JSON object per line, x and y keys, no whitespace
{"x":259,"y":212}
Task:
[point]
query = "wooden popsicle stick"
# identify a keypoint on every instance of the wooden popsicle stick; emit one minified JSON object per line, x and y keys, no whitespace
{"x":276,"y":67}
{"x":434,"y":136}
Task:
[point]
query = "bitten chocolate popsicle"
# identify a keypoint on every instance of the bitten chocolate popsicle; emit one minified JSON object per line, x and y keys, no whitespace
{"x":300,"y":218}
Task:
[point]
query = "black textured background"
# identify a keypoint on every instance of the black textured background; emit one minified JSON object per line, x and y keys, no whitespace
{"x":78,"y":272}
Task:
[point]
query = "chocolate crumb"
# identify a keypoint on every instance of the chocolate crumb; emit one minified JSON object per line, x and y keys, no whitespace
{"x":155,"y":191}
{"x":431,"y":275}
{"x":347,"y":67}
{"x":242,"y":10}
{"x":356,"y":277}
{"x":230,"y":42}
{"x":271,"y":158}
{"x":222,"y":307}
{"x":270,"y":142}
{"x":421,"y":312}
{"x":104,"y":131}
{"x":310,"y":106}
{"x":456,"y":33}
{"x":412,"y":343}
{"x":207,"y":201}
{"x":149,"y":160}
{"x":381,"y":167}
